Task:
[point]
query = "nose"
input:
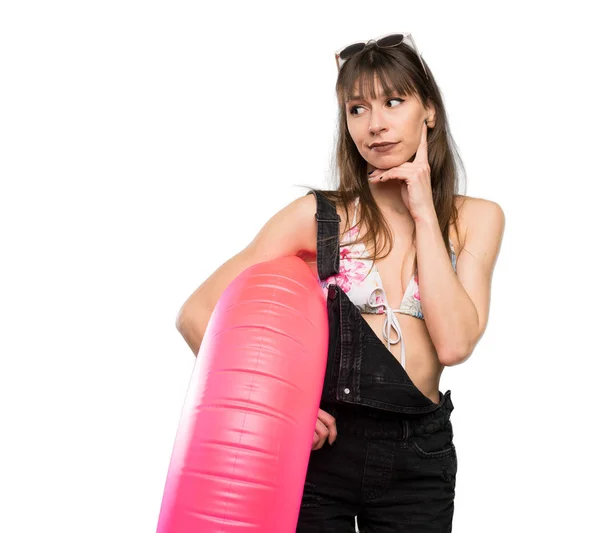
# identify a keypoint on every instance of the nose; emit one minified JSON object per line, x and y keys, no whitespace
{"x":375,"y":125}
{"x":376,"y":122}
{"x":375,"y":129}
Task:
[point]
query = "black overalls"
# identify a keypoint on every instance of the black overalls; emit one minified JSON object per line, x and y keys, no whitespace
{"x":393,"y":464}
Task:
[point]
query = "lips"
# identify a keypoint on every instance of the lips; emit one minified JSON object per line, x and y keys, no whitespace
{"x":375,"y":145}
{"x":383,"y":148}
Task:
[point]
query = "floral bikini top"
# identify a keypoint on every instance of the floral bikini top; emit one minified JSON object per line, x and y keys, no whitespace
{"x":359,"y":278}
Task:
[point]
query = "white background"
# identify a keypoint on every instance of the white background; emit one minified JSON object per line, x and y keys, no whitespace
{"x":142,"y":144}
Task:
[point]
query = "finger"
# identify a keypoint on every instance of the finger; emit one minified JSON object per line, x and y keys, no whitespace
{"x":325,"y":417}
{"x":315,"y":442}
{"x":321,"y":429}
{"x":329,"y":422}
{"x":322,"y":432}
{"x":397,"y":174}
{"x":332,"y":433}
{"x":378,"y":178}
{"x":422,"y":149}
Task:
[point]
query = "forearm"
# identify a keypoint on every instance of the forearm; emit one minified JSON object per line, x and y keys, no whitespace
{"x":449,"y":312}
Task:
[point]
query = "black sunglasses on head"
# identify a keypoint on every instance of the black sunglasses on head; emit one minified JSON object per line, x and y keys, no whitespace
{"x":385,"y":41}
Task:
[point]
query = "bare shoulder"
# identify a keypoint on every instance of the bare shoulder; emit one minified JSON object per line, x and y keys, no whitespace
{"x":472,"y":210}
{"x":479,"y":214}
{"x":305,"y":209}
{"x":292,"y":229}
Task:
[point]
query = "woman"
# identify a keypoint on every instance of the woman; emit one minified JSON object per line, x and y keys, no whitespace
{"x":390,"y":461}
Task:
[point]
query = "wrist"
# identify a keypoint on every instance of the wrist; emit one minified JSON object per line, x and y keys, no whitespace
{"x":429,"y":218}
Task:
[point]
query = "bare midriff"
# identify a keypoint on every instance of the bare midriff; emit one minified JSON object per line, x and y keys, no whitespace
{"x":422,"y":363}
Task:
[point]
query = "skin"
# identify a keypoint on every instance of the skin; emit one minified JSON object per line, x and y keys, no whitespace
{"x":396,"y":119}
{"x":404,"y":196}
{"x":384,"y":120}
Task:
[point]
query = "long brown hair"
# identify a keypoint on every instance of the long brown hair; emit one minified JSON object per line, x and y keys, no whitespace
{"x":400,"y":69}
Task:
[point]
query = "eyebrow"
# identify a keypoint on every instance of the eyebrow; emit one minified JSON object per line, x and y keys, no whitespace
{"x":360,"y":97}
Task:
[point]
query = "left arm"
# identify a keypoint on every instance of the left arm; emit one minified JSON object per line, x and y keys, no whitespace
{"x":456,"y":306}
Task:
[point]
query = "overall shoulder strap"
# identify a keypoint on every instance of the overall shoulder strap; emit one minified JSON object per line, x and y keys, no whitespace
{"x":328,"y":227}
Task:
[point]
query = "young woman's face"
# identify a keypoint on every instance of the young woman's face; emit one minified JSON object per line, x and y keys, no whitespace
{"x":395,"y":120}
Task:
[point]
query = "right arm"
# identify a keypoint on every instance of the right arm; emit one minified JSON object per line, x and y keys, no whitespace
{"x":291,"y":231}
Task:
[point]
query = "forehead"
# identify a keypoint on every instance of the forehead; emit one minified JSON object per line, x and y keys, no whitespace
{"x":372,"y":88}
{"x":356,"y":95}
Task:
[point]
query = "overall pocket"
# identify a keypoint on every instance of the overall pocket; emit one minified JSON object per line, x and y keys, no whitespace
{"x":435,"y":448}
{"x":434,"y":440}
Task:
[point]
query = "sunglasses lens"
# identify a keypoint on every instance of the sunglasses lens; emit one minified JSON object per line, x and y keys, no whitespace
{"x":391,"y":40}
{"x":349,"y":51}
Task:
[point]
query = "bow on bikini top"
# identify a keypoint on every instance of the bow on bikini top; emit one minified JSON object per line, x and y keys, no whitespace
{"x":359,"y":278}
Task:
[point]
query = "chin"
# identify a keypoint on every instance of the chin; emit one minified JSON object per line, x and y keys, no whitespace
{"x":385,"y":163}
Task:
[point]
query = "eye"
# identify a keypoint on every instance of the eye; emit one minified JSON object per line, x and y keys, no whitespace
{"x":353,"y":109}
{"x":397,"y":99}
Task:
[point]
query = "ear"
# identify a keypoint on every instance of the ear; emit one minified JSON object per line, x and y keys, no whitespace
{"x":430,"y":116}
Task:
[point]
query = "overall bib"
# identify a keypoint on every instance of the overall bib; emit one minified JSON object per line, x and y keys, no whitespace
{"x":393,"y":464}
